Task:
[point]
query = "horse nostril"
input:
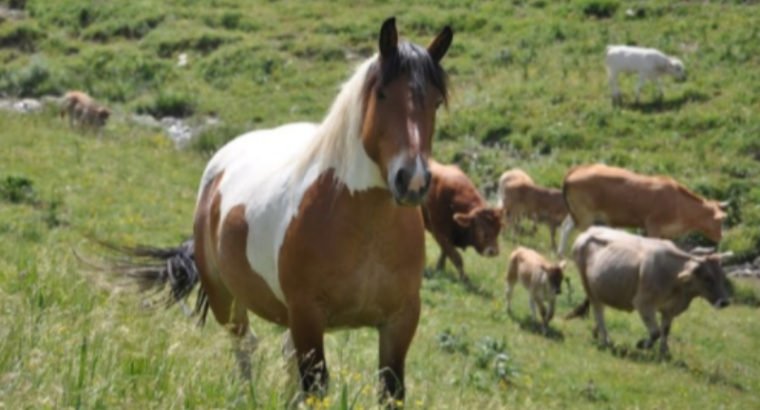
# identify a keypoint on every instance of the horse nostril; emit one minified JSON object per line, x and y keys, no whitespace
{"x":402,"y":180}
{"x":722,"y":303}
{"x":428,"y":176}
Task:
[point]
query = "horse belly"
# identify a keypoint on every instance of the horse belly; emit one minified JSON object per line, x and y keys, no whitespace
{"x":356,"y":257}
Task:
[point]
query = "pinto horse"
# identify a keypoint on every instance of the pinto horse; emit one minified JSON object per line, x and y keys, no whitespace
{"x":318,"y":226}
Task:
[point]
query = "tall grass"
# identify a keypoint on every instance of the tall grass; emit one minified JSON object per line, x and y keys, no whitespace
{"x":529,"y":91}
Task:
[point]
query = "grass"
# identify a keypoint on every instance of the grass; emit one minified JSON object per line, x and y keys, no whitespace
{"x":528,"y":91}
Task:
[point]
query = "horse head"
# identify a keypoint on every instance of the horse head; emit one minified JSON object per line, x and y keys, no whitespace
{"x":404,"y":88}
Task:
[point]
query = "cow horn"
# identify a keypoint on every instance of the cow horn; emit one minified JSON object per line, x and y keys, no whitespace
{"x":723,"y":205}
{"x":702,"y":251}
{"x":725,"y":255}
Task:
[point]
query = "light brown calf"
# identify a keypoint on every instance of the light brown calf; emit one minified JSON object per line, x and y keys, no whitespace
{"x":542,"y":278}
{"x":83,"y":111}
{"x":521,"y":197}
{"x":616,"y":197}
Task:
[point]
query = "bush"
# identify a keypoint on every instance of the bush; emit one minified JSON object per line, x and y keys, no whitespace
{"x":169,"y":104}
{"x":599,"y":8}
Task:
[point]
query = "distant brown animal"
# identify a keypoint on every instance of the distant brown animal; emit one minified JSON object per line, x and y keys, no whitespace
{"x":600,"y":194}
{"x":628,"y":272}
{"x":83,"y":111}
{"x":520,"y":197}
{"x":542,"y":278}
{"x":457,"y":216}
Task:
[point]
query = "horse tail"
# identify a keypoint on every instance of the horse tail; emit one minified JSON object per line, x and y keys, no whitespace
{"x":153,"y":268}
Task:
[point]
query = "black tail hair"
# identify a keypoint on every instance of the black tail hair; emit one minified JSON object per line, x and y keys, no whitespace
{"x":152,"y":268}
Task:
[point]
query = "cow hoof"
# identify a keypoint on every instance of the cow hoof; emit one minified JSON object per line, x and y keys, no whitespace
{"x":644,"y":344}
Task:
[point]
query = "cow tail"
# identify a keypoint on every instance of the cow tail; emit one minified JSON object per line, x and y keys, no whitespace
{"x":564,"y":196}
{"x":580,"y":310}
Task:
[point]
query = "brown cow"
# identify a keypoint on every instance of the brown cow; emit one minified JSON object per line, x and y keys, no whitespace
{"x":458,"y":216}
{"x":520,"y":197}
{"x":542,"y":278}
{"x":628,"y":272}
{"x":600,"y":194}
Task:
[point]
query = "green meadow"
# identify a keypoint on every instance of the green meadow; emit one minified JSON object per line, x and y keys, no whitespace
{"x":529,"y":90}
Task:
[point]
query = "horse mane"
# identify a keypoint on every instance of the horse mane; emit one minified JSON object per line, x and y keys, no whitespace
{"x":337,"y":144}
{"x":338,"y":136}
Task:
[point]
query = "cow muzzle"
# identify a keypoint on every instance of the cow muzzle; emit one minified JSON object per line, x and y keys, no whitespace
{"x":721,"y":303}
{"x":410,"y":183}
{"x":491,"y":251}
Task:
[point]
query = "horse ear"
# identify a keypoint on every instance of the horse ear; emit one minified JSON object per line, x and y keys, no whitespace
{"x":440,"y":44}
{"x":388,"y":38}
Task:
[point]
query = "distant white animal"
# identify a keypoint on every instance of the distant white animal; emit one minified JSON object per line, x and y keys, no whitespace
{"x":648,"y":62}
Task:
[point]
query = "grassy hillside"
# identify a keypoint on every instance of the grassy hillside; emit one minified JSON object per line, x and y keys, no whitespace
{"x":529,"y":90}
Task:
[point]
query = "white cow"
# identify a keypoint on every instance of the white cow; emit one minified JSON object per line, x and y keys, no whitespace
{"x":649,"y":63}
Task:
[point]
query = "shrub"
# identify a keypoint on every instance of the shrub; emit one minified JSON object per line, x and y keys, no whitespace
{"x":599,"y":8}
{"x":169,"y":104}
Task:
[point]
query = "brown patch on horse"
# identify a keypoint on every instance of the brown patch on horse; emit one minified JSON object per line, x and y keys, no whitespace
{"x":345,"y":278}
{"x":226,"y":275}
{"x":246,"y":285}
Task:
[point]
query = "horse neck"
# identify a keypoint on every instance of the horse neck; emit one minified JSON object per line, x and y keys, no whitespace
{"x":338,"y":144}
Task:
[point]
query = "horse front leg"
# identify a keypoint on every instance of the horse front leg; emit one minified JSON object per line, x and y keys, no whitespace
{"x":307,"y":332}
{"x":395,"y":338}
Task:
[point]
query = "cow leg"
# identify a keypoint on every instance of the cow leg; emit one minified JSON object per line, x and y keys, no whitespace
{"x":441,"y":261}
{"x":614,"y":87}
{"x":600,"y":331}
{"x":449,"y":251}
{"x":648,"y":316}
{"x":508,"y":294}
{"x":395,"y":338}
{"x":307,"y":330}
{"x":544,"y":314}
{"x":532,"y":304}
{"x":567,"y":225}
{"x":553,"y":235}
{"x":550,"y":312}
{"x":639,"y":84}
{"x":665,"y":322}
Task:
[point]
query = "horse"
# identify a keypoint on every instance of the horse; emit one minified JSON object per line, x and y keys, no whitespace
{"x":318,"y":227}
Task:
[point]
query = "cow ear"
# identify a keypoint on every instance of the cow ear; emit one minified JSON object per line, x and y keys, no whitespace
{"x":462,"y":219}
{"x":688,"y":271}
{"x":440,"y":44}
{"x":562,"y":263}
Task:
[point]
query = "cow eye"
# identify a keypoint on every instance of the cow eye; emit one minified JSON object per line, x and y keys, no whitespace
{"x":380,"y":95}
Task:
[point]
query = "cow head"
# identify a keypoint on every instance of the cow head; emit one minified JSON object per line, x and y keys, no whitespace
{"x":554,"y":272}
{"x":677,"y":69}
{"x":483,"y":224}
{"x":712,"y":222}
{"x":708,"y":279}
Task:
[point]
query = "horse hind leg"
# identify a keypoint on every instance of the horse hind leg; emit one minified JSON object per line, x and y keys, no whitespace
{"x":233,"y":316}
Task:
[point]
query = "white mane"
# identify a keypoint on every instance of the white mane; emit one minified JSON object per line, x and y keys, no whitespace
{"x":338,"y":143}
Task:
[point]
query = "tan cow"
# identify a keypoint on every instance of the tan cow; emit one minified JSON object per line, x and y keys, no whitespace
{"x":520,"y":197}
{"x":458,"y":216}
{"x":542,"y":278}
{"x":628,"y":272}
{"x":83,"y":111}
{"x":600,"y":194}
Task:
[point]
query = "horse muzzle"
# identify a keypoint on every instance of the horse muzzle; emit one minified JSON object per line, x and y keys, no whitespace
{"x":410,"y":184}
